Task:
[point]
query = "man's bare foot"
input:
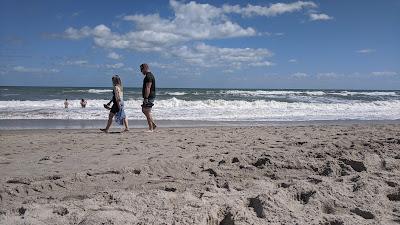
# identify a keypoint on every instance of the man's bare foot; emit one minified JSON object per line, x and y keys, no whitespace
{"x":125,"y":130}
{"x":154,"y":126}
{"x":104,"y":130}
{"x":149,"y":131}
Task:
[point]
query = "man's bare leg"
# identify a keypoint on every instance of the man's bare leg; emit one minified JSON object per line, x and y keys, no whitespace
{"x":150,"y":122}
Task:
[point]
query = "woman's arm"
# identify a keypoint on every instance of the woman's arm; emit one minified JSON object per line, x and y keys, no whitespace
{"x":117,"y":93}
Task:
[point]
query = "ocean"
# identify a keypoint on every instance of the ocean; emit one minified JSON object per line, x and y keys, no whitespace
{"x":210,"y":106}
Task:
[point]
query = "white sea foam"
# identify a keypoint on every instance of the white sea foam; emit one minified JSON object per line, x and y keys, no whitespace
{"x":315,"y":93}
{"x":272,"y":93}
{"x":256,"y":92}
{"x":95,"y":91}
{"x":309,"y":93}
{"x":10,"y":94}
{"x":375,"y":93}
{"x":176,"y":93}
{"x":99,"y":90}
{"x":209,"y":110}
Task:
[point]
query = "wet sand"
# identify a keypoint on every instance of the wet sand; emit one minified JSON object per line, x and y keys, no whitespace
{"x":304,"y":174}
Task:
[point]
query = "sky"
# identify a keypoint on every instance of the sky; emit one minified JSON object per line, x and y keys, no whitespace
{"x":343,"y":44}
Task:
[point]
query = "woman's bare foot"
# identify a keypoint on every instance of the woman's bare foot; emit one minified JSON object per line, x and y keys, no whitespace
{"x":154,"y":126}
{"x":125,"y":130}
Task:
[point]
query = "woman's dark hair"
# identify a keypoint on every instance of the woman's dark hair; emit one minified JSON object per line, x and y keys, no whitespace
{"x":116,"y":80}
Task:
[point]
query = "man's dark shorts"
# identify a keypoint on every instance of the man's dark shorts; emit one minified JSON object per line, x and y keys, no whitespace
{"x":148,"y":104}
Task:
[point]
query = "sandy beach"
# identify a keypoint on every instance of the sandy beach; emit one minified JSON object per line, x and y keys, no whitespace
{"x":304,"y":174}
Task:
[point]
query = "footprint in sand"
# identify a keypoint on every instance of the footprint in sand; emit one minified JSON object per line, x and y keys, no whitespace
{"x":304,"y":197}
{"x":364,"y":214}
{"x":260,"y":163}
{"x":394,"y":196}
{"x":228,"y":220}
{"x":356,"y":165}
{"x":334,"y":222}
{"x":257,"y":206}
{"x":62,"y":211}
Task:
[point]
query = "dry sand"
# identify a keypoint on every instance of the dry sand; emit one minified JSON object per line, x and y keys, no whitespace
{"x":312,"y":174}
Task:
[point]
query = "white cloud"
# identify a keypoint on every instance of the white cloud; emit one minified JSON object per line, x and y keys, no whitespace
{"x":228,"y":71}
{"x":293,"y":60}
{"x":263,"y":63}
{"x":75,"y":14}
{"x":211,"y":56}
{"x":299,"y":75}
{"x":114,"y":55}
{"x":272,"y":10}
{"x":86,"y":64}
{"x":321,"y":16}
{"x":131,"y":69}
{"x":191,"y":22}
{"x":329,"y":75}
{"x":385,"y":73}
{"x":114,"y":66}
{"x":75,"y":34}
{"x":76,"y":62}
{"x":365,"y":51}
{"x":164,"y":65}
{"x":22,"y":69}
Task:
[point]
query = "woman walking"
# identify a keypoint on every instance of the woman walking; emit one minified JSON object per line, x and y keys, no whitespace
{"x":117,"y":108}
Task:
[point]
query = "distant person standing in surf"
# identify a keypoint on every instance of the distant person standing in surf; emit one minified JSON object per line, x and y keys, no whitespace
{"x":148,"y":94}
{"x":66,"y":104}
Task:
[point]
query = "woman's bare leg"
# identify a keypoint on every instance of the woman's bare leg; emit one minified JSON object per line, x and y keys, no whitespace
{"x":126,"y":124}
{"x":109,"y":122}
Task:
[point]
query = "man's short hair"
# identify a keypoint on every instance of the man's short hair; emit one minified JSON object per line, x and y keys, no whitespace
{"x":144,"y":66}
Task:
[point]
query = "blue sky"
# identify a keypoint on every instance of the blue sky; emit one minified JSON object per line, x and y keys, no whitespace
{"x":217,"y":44}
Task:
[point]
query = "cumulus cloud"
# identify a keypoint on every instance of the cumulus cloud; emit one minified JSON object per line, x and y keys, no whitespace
{"x":321,"y":16}
{"x":114,"y":55}
{"x":191,"y":22}
{"x":210,"y":56}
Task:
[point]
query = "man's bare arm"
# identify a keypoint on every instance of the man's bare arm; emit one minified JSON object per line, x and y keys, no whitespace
{"x":147,"y":90}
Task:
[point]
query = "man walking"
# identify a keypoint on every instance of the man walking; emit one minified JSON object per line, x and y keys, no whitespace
{"x":149,"y":94}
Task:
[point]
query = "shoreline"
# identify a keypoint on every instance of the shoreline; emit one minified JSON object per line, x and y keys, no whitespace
{"x":39,"y":124}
